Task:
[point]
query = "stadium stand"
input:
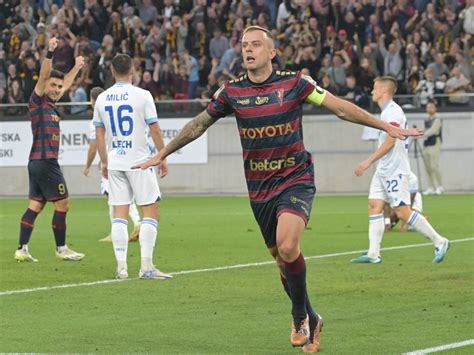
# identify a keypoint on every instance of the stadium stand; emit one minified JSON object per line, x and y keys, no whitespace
{"x":184,"y":49}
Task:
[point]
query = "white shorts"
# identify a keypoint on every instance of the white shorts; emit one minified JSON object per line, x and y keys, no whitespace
{"x":392,"y":189}
{"x":413,"y":183}
{"x":141,"y":185}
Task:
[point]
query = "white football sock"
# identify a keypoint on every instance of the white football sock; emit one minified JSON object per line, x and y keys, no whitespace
{"x":134,"y":215}
{"x":421,"y":225}
{"x":120,"y":241}
{"x":376,"y":229}
{"x":148,"y":231}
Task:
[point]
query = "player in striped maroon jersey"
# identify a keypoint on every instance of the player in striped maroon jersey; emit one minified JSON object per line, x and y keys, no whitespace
{"x":267,"y":104}
{"x":46,"y":178}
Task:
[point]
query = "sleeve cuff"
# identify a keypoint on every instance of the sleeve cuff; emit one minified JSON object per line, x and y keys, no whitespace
{"x":151,"y":120}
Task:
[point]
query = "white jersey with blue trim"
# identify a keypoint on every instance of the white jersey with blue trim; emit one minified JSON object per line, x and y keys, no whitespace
{"x":125,"y":111}
{"x":396,"y":160}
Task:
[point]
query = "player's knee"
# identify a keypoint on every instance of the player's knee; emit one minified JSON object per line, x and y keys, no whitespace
{"x":288,"y":250}
{"x":62,"y":205}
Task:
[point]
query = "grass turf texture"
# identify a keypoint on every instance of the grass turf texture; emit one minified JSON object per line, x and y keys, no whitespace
{"x":404,"y":304}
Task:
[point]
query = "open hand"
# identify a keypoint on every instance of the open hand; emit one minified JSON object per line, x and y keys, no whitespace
{"x":359,"y":170}
{"x":402,"y":133}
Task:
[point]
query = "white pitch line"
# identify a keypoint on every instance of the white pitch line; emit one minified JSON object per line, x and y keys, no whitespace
{"x":441,"y":348}
{"x":219,"y":268}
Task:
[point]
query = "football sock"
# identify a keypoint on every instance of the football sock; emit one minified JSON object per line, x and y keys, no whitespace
{"x":376,"y":229}
{"x":295,"y":273}
{"x":26,"y":227}
{"x":313,"y":319}
{"x":421,"y":225}
{"x":148,"y":231}
{"x":59,"y":228}
{"x":134,"y":215}
{"x":120,"y":241}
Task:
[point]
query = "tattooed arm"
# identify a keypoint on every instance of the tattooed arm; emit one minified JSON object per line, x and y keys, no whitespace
{"x":190,"y":132}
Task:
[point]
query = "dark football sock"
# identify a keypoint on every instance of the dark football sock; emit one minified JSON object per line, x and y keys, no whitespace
{"x":295,"y":273}
{"x":26,"y":226}
{"x":59,"y":228}
{"x":313,"y":318}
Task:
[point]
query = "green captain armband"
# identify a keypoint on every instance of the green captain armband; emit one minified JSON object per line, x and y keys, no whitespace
{"x":317,"y":96}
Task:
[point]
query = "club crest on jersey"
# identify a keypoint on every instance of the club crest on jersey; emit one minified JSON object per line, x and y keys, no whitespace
{"x":280,"y":94}
{"x":260,"y":100}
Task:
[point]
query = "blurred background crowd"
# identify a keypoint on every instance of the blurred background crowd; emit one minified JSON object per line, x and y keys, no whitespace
{"x":185,"y":49}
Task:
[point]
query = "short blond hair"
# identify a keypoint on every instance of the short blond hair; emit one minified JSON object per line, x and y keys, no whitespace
{"x":259,"y":28}
{"x":387,"y":79}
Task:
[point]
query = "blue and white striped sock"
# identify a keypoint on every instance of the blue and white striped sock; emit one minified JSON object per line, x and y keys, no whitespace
{"x":421,"y":225}
{"x":376,"y":229}
{"x":148,"y":231}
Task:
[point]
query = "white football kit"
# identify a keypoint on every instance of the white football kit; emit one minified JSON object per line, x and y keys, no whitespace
{"x":125,"y":111}
{"x":391,"y":179}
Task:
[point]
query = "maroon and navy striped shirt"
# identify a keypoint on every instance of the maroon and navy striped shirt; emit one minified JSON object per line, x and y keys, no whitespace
{"x":45,"y":127}
{"x":269,"y":117}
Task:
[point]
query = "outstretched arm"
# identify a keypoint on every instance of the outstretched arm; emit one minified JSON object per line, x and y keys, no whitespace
{"x":347,"y":111}
{"x":46,"y":67}
{"x":190,"y":132}
{"x":379,"y":153}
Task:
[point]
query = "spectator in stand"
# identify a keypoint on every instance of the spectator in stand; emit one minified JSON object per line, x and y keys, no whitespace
{"x":148,"y":12}
{"x":30,"y":75}
{"x":15,"y":96}
{"x":228,"y":59}
{"x":365,"y":76}
{"x":116,"y":29}
{"x":200,"y":41}
{"x":438,"y":67}
{"x":340,"y":64}
{"x":327,"y":84}
{"x":64,"y":55}
{"x":425,"y":89}
{"x":148,"y":83}
{"x":393,"y":62}
{"x":77,"y":93}
{"x":192,"y":70}
{"x":457,"y":86}
{"x":218,"y":45}
{"x":166,"y":81}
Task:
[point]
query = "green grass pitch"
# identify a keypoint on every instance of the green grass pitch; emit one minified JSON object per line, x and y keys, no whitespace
{"x":404,"y":304}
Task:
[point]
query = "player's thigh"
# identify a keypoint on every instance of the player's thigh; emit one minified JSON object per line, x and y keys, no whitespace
{"x":120,"y":191}
{"x":50,"y":180}
{"x":413,"y":183}
{"x":377,"y":192}
{"x":266,"y":217}
{"x":35,"y":173}
{"x":293,"y":212}
{"x":144,"y":184}
{"x":398,"y":190}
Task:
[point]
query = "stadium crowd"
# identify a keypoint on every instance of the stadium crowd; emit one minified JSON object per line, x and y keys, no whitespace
{"x":185,"y":49}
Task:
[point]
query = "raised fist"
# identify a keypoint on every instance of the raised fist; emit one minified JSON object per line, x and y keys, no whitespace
{"x":79,"y":62}
{"x":52,"y":44}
